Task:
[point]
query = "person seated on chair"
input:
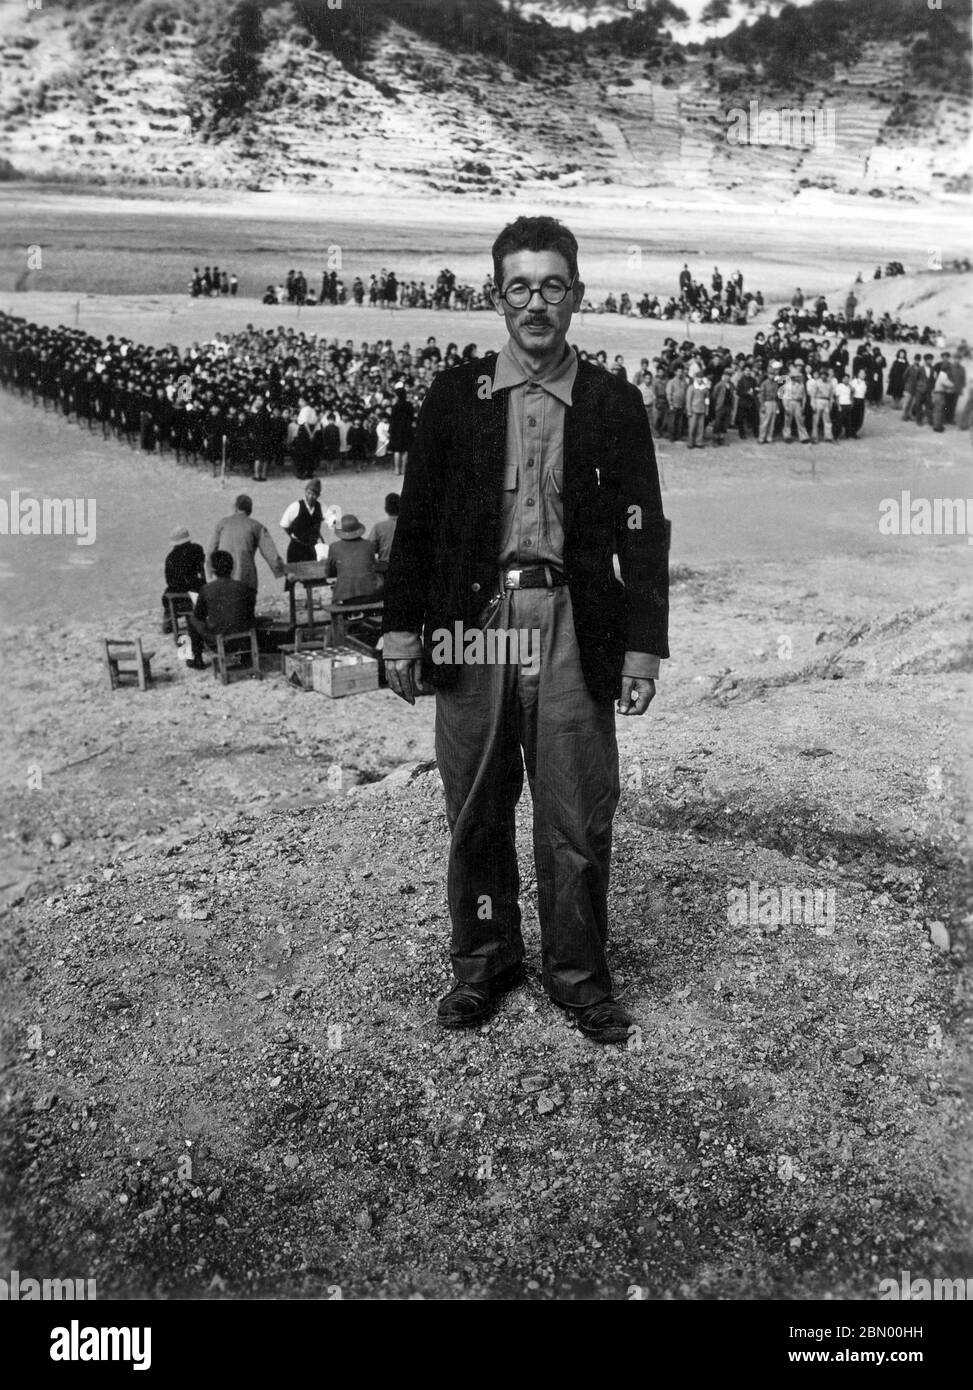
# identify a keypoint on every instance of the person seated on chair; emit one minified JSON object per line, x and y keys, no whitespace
{"x":352,"y":560}
{"x":185,"y":572}
{"x":224,"y":605}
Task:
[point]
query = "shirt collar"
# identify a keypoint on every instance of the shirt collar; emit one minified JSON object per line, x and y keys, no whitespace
{"x":558,"y":382}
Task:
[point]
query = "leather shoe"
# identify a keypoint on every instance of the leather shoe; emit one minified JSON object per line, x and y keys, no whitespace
{"x":604,"y":1022}
{"x":466,"y":1005}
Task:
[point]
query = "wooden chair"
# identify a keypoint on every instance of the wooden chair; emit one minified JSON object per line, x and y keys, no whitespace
{"x":232,"y":652}
{"x":180,"y":606}
{"x":127,"y":662}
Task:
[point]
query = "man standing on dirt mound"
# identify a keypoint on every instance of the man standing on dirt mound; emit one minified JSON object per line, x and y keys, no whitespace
{"x":529,"y":471}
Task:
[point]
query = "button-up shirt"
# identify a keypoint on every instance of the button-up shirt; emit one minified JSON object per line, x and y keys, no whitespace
{"x":532,"y":526}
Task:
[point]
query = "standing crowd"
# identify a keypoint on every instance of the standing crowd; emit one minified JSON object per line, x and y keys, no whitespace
{"x":791,"y":387}
{"x":263,"y":399}
{"x":212,"y":282}
{"x":383,"y":291}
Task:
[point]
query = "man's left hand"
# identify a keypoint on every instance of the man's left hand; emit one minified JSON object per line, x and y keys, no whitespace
{"x":638,"y":692}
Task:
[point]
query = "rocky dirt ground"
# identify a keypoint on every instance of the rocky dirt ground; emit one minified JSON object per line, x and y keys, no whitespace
{"x":222,"y":1075}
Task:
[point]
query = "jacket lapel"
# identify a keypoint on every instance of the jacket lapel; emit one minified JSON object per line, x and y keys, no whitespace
{"x":489,"y":452}
{"x":577,"y":445}
{"x":492,"y":430}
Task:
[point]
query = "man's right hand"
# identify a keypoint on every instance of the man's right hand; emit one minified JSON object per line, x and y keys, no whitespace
{"x":404,"y":678}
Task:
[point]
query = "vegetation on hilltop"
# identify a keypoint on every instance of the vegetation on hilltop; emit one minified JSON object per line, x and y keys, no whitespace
{"x":803,"y":43}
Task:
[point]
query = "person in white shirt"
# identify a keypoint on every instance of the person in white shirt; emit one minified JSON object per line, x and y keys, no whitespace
{"x":343,"y":427}
{"x":859,"y":391}
{"x":842,"y":392}
{"x":382,"y":439}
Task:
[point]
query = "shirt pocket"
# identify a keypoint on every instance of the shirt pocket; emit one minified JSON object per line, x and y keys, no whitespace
{"x":510,"y":477}
{"x":557,"y":479}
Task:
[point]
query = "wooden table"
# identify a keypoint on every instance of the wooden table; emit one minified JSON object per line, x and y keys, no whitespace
{"x":337,"y":616}
{"x":312,"y":574}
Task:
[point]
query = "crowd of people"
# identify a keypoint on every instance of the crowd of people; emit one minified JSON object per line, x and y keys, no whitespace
{"x":216,"y":588}
{"x":383,"y":291}
{"x":248,"y":401}
{"x":802,"y":315}
{"x":212,"y":282}
{"x":273,"y":398}
{"x":718,"y":303}
{"x":791,"y":387}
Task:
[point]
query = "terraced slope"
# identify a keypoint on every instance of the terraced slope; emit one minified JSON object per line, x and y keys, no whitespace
{"x":79,"y":102}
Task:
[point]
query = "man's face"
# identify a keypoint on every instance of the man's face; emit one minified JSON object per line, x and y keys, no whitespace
{"x":539,"y":328}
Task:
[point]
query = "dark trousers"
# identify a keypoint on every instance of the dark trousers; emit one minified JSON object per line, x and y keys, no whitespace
{"x":199,"y":635}
{"x":748,"y":416}
{"x":497,"y":720}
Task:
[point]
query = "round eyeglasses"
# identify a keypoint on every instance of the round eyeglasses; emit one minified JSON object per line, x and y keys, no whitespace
{"x":519,"y":294}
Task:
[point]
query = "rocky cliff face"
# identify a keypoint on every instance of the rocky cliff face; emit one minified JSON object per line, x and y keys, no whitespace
{"x":124,"y":98}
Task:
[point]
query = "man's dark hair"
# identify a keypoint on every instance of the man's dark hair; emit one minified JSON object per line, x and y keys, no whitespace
{"x":392,"y":504}
{"x":244,"y":503}
{"x":534,"y":234}
{"x":222,"y":563}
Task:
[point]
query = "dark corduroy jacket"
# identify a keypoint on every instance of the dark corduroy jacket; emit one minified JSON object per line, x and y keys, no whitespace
{"x":443,"y":565}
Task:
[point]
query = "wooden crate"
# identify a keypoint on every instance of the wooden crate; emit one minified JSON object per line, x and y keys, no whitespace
{"x":343,"y":671}
{"x":298,"y":664}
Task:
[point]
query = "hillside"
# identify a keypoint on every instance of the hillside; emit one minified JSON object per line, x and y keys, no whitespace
{"x":466,"y":97}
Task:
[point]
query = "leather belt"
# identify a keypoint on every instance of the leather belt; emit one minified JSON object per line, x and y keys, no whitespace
{"x":536,"y":577}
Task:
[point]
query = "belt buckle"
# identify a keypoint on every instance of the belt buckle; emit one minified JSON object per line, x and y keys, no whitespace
{"x":511,"y":579}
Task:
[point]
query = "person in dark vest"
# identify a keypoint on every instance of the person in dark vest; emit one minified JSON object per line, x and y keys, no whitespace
{"x":528,"y":468}
{"x":301,"y":523}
